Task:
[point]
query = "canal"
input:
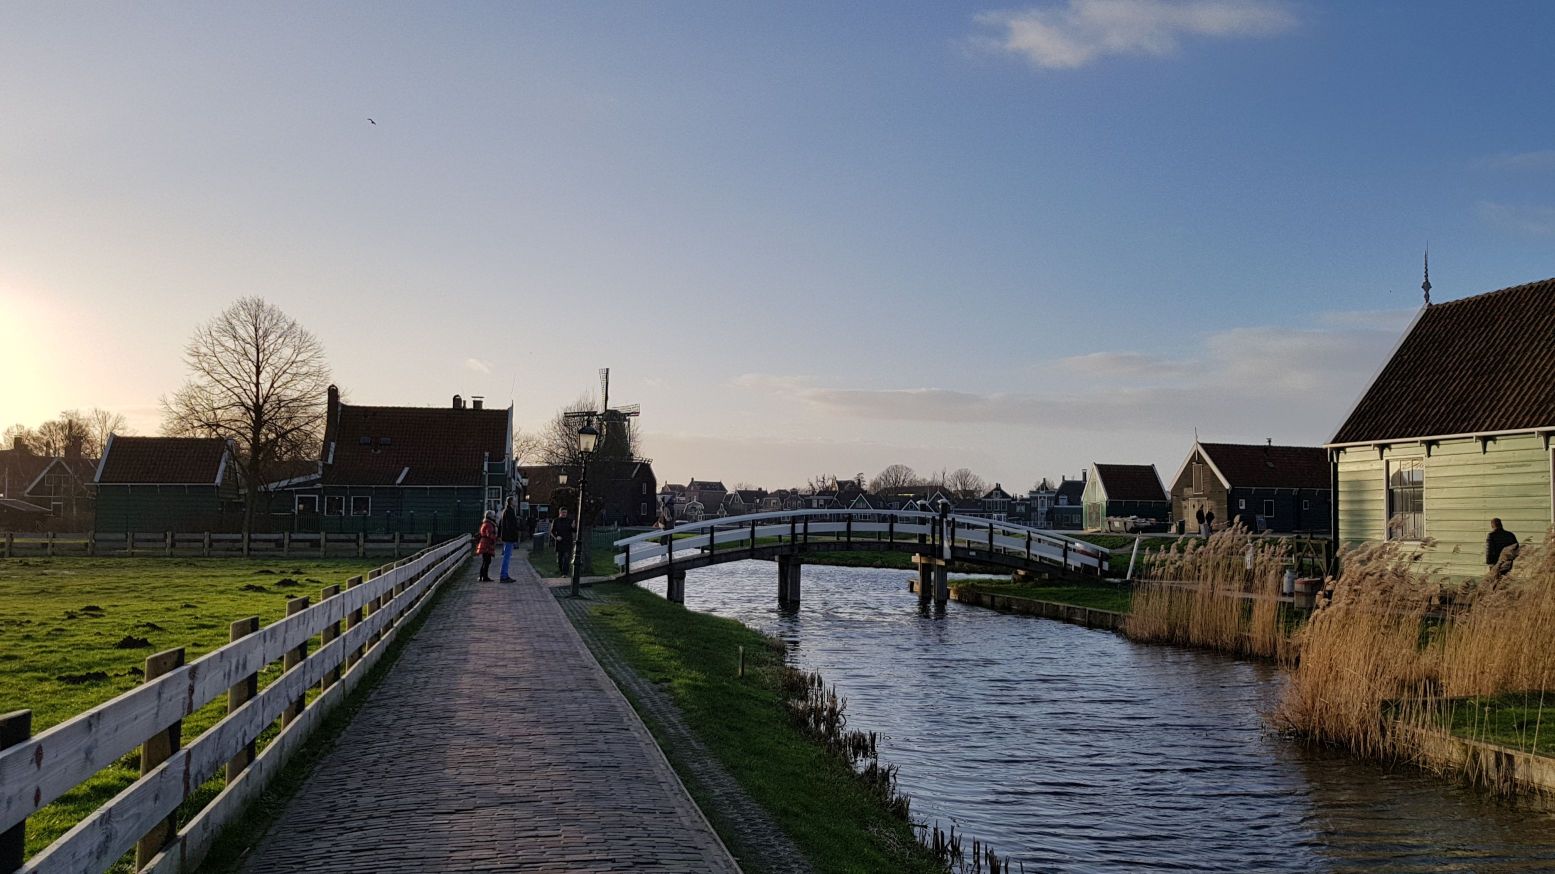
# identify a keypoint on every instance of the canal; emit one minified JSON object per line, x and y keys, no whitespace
{"x":1076,"y":750}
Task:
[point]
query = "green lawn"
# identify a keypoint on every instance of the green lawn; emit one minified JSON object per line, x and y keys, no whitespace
{"x":1514,"y":720}
{"x":75,"y":632}
{"x":1114,"y":598}
{"x":815,"y":796}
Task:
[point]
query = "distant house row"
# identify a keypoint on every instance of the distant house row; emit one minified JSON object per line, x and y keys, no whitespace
{"x":36,"y":489}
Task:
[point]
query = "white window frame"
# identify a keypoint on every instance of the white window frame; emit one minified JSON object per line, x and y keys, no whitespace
{"x":493,"y":493}
{"x":1268,"y":508}
{"x":1241,"y":503}
{"x":340,"y":508}
{"x":1306,"y":503}
{"x":299,"y":499}
{"x":1387,"y":500}
{"x":366,"y":512}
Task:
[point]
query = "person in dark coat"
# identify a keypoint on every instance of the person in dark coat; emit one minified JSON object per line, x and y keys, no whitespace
{"x":1500,"y":548}
{"x":561,"y":532}
{"x":508,"y":529}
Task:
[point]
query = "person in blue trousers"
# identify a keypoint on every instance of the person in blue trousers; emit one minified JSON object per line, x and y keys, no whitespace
{"x":508,"y":529}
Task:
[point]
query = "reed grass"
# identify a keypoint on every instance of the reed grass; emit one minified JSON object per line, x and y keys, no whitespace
{"x":1400,"y":655}
{"x":1221,"y":593}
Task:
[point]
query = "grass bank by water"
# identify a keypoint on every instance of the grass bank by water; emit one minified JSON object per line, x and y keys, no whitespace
{"x":1114,"y":598}
{"x":76,"y":632}
{"x":816,"y":797}
{"x":602,"y":561}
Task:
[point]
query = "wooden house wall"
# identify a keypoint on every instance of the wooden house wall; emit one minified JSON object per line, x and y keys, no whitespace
{"x":1465,"y":486}
{"x":177,"y":508}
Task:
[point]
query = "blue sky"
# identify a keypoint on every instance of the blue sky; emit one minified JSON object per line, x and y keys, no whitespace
{"x":806,"y":237}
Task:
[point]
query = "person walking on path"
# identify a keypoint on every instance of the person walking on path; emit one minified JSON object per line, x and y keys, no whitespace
{"x":509,"y":530}
{"x":1500,"y":548}
{"x":486,"y":545}
{"x":561,"y":532}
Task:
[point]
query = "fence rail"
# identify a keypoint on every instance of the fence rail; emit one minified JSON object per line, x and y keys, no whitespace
{"x":171,"y":543}
{"x":35,"y":771}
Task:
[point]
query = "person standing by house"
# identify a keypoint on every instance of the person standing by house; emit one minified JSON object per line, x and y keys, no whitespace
{"x":1198,"y":516}
{"x":1500,"y":548}
{"x":486,"y":545}
{"x":561,"y":533}
{"x":509,"y":530}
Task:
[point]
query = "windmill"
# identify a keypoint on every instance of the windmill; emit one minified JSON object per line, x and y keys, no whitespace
{"x":614,"y":423}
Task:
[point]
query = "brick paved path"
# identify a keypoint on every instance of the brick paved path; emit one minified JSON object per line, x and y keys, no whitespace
{"x":495,"y":744}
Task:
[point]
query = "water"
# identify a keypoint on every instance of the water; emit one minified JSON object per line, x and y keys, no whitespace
{"x":1077,"y":751}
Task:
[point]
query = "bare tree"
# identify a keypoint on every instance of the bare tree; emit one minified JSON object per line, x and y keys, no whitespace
{"x":18,"y":437}
{"x":257,"y":378}
{"x":101,"y":424}
{"x":65,"y":434}
{"x":966,"y":484}
{"x":557,"y":441}
{"x":895,"y":476}
{"x":526,"y":446}
{"x":823,"y":482}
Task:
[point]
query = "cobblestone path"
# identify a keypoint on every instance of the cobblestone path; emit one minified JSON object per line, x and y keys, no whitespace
{"x":496,"y":743}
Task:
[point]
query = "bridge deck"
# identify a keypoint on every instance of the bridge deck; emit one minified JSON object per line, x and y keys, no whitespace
{"x":497,"y":743}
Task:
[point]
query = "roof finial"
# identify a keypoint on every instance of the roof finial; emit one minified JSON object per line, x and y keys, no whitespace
{"x":1426,"y":285}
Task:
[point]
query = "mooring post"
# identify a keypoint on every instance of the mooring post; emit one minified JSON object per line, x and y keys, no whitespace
{"x":925,"y":578}
{"x":15,"y":728}
{"x":788,"y":581}
{"x":675,"y":587}
{"x":157,"y":749}
{"x":240,"y":692}
{"x":1133,"y":557}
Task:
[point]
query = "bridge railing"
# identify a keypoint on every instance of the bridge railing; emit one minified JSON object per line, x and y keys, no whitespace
{"x":815,"y":528}
{"x":35,"y":771}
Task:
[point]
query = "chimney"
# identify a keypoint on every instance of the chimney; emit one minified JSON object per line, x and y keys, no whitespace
{"x":477,"y":402}
{"x":458,"y":402}
{"x":73,"y":448}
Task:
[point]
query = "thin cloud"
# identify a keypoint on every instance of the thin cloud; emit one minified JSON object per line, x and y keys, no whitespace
{"x":1534,"y":221}
{"x":1129,"y":364}
{"x":1080,"y":32}
{"x":1537,"y":160}
{"x":477,"y":365}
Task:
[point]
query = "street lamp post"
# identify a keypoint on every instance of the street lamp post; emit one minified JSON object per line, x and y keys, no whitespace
{"x":587,"y":437}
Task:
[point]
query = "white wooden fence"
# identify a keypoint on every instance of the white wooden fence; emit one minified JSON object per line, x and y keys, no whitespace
{"x":37,"y":770}
{"x":170,"y":543}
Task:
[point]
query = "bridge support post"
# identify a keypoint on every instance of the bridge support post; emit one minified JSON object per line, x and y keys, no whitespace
{"x":788,"y":581}
{"x":925,"y":579}
{"x":675,"y":587}
{"x":941,"y":585}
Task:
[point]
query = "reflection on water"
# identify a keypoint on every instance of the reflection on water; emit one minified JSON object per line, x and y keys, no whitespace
{"x":1076,"y":750}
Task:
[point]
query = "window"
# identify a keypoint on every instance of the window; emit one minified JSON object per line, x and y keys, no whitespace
{"x":1241,"y":503}
{"x":494,"y":493}
{"x":1406,"y":499}
{"x":361,"y":505}
{"x":307,"y":503}
{"x":1306,"y":503}
{"x":642,"y":509}
{"x":1268,"y":508}
{"x":334,"y":505}
{"x":645,"y":488}
{"x":1198,"y":478}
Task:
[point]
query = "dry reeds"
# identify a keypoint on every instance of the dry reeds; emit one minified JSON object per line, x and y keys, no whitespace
{"x":1221,"y":593}
{"x":1399,"y":660}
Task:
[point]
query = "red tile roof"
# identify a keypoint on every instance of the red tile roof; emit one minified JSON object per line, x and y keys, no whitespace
{"x":440,"y":446}
{"x":1467,"y":366}
{"x":163,"y":460}
{"x":1261,"y":466}
{"x":1130,"y":482}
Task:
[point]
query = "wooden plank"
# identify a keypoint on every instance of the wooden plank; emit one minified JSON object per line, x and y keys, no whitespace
{"x":15,"y":728}
{"x":38,"y":771}
{"x":239,"y":694}
{"x":158,"y":748}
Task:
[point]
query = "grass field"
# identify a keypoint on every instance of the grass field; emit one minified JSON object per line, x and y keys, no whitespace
{"x":1114,"y":598}
{"x":816,"y":797}
{"x":75,"y":632}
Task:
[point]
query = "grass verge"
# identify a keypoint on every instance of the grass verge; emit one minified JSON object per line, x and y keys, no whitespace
{"x":602,"y":561}
{"x":815,"y":797}
{"x":1114,"y":598}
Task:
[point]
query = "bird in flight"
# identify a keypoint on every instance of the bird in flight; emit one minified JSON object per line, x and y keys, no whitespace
{"x":370,"y":121}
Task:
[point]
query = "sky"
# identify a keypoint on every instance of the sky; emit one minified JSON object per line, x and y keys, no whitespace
{"x":807,"y":238}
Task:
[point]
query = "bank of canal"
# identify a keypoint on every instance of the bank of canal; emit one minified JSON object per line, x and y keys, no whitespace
{"x":1077,"y":750}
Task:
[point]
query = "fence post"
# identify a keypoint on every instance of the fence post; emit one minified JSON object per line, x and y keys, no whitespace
{"x":9,"y":540}
{"x":240,"y":692}
{"x":129,"y":543}
{"x":48,"y":546}
{"x":157,"y":749}
{"x":361,"y":545}
{"x":167,"y":543}
{"x":353,"y":618}
{"x":205,"y":545}
{"x":396,"y":544}
{"x":91,"y":543}
{"x":286,"y":543}
{"x":331,"y":632}
{"x":245,"y":544}
{"x":374,"y":604}
{"x":294,"y":658}
{"x":15,"y":728}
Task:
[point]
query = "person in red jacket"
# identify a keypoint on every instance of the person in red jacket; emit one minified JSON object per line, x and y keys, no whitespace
{"x":486,"y":545}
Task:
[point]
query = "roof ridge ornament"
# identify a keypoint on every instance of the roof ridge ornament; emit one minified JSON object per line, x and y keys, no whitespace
{"x":1426,"y":285}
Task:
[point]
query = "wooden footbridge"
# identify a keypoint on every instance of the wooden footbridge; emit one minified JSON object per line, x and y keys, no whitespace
{"x":935,"y":541}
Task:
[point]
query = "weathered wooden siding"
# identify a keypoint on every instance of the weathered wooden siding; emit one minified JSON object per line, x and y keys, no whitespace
{"x":162,"y":508}
{"x":1465,"y":485}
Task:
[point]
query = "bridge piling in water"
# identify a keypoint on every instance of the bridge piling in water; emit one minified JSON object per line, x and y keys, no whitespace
{"x":788,"y":581}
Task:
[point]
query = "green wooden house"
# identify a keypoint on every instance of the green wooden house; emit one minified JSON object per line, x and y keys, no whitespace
{"x":179,"y":484}
{"x":1129,"y":495}
{"x":1455,"y":430}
